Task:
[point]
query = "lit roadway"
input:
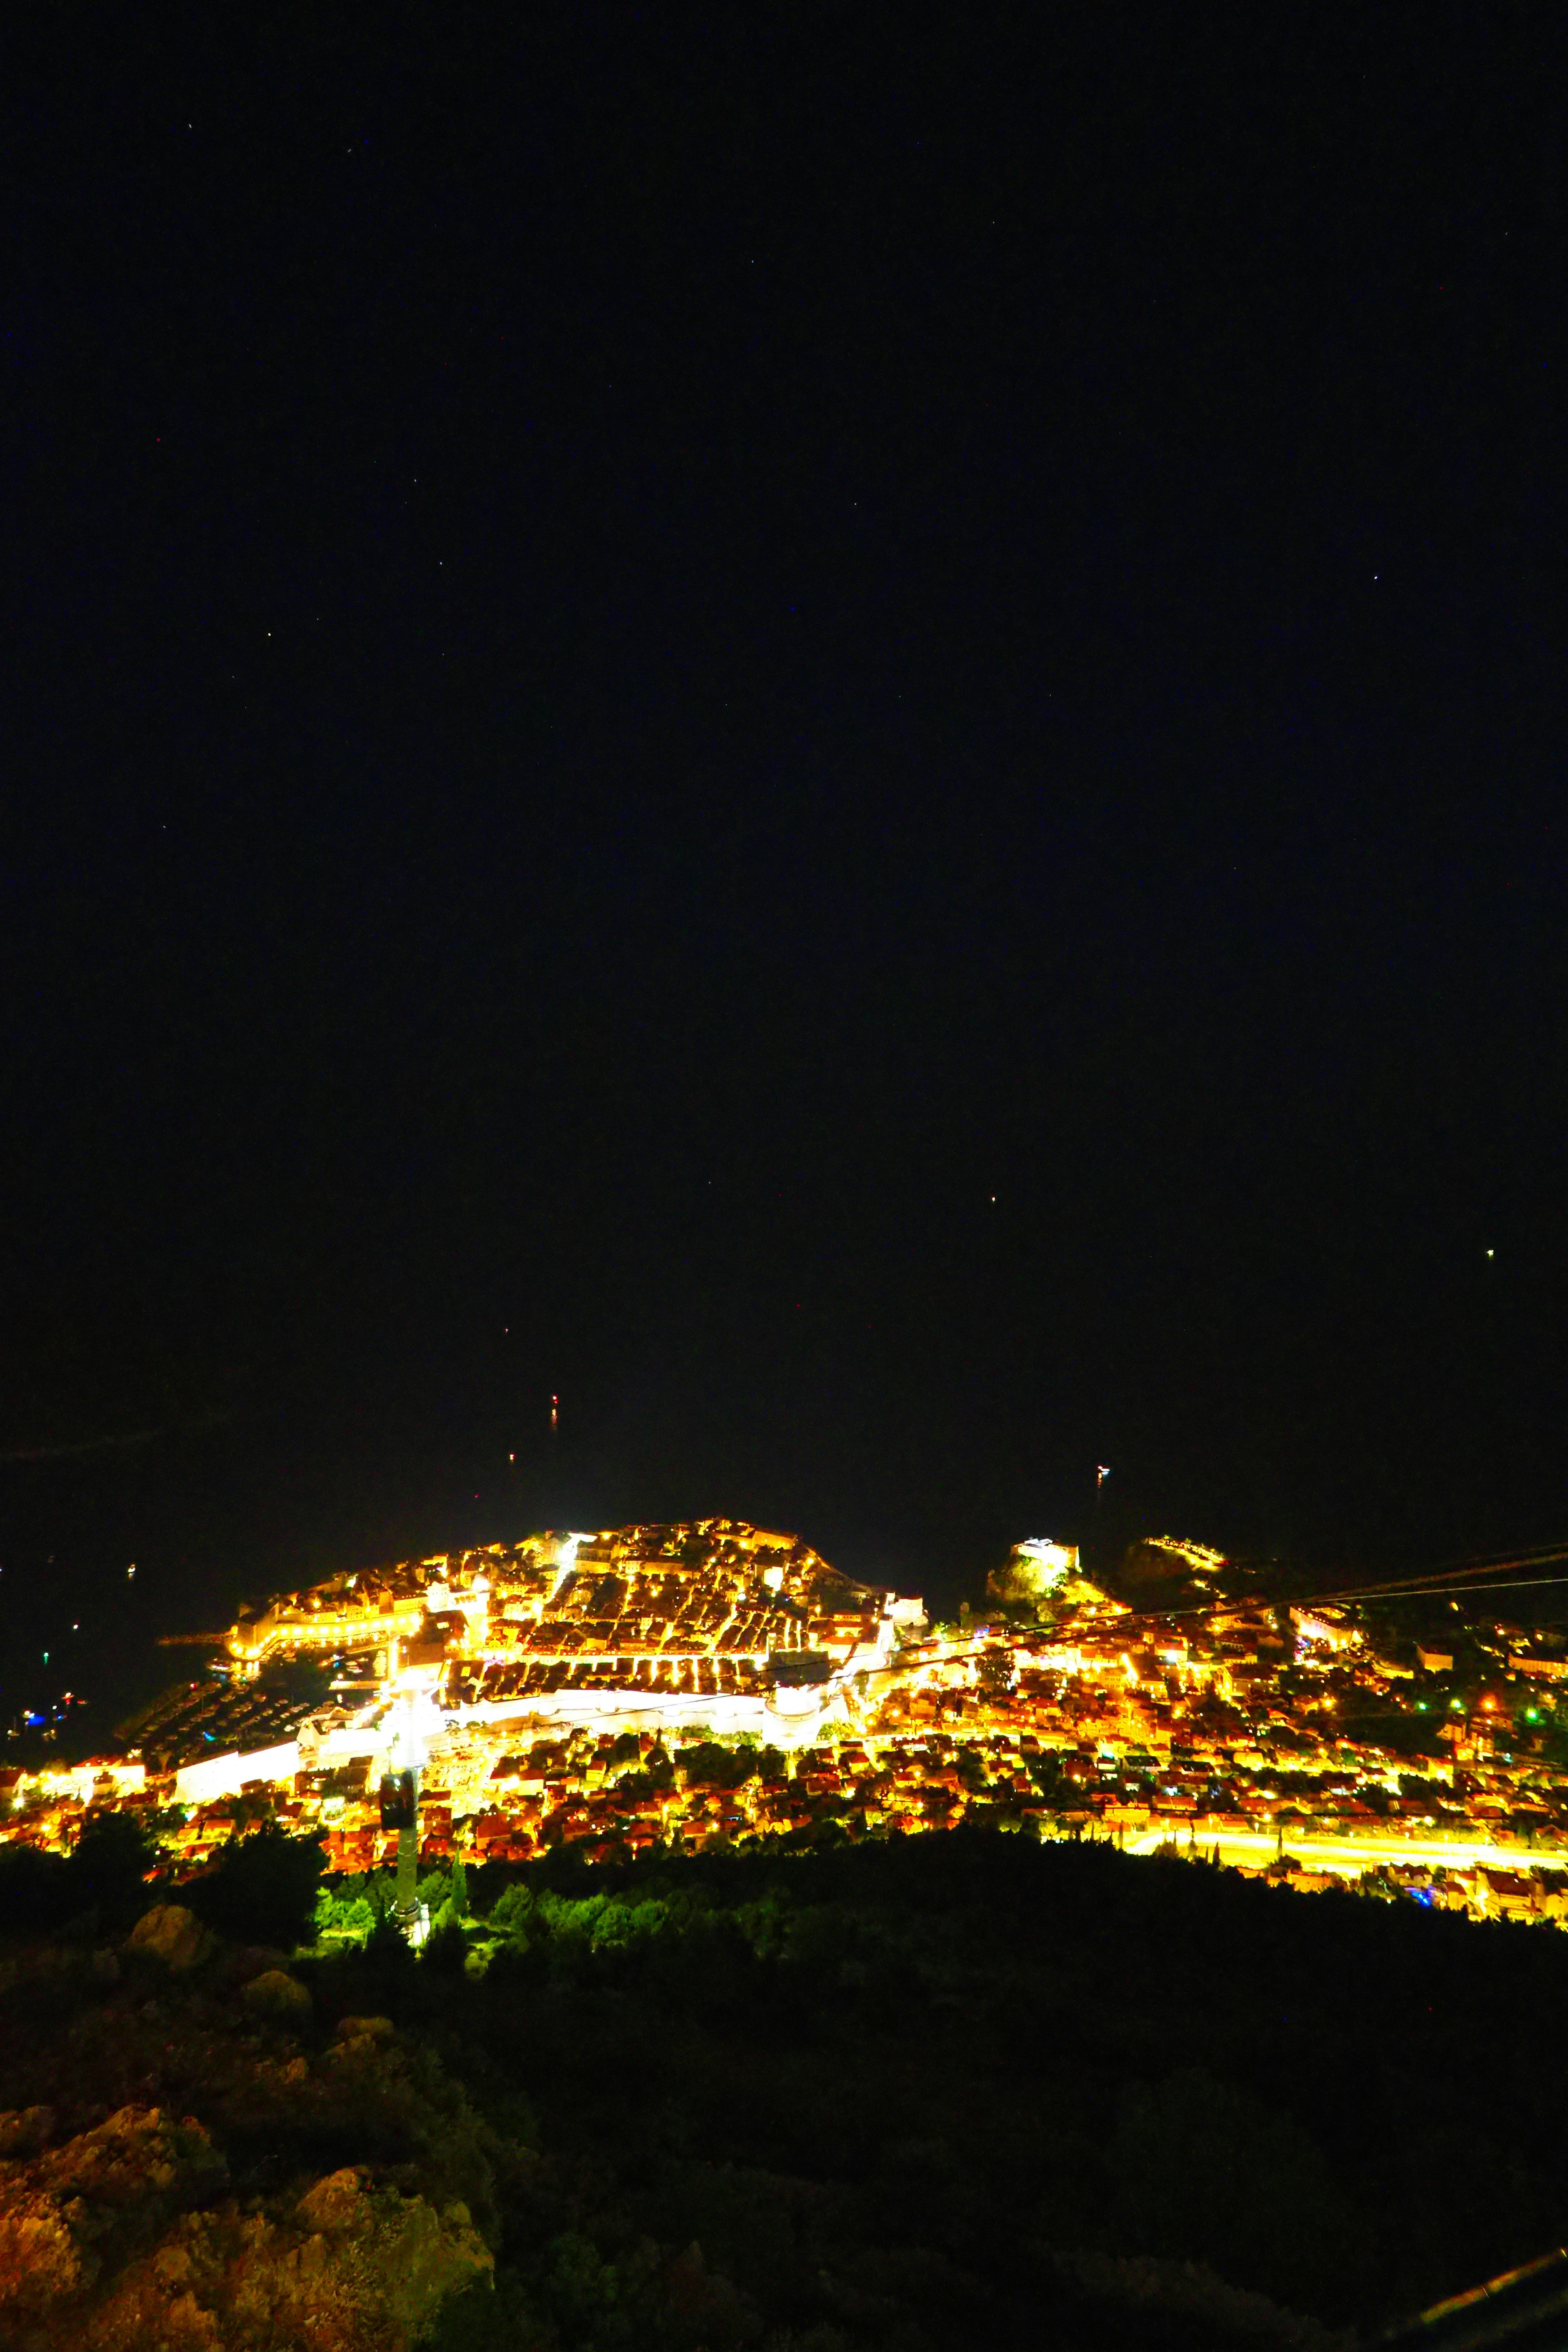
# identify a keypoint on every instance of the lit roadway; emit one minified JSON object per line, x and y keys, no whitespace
{"x":1348,"y":1854}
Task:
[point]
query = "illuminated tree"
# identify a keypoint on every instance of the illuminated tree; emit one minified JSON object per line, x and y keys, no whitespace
{"x":996,"y":1670}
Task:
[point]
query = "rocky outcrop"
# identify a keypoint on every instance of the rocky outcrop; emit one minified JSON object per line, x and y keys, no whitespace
{"x":171,"y":1934}
{"x":124,"y":2238}
{"x":275,"y":1993}
{"x":75,"y":2213}
{"x":355,"y":2268}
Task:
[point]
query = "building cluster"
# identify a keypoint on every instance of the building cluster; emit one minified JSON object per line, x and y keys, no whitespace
{"x":679,"y":1686}
{"x":715,"y":1611}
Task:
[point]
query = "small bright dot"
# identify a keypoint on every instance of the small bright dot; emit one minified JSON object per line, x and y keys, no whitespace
{"x":1492,"y":1252}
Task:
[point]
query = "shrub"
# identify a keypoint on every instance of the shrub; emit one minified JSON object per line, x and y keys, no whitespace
{"x":36,"y":1890}
{"x":511,"y":1910}
{"x":446,"y":1948}
{"x":480,"y":2317}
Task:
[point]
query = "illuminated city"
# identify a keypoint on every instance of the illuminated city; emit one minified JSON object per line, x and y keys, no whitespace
{"x":783,"y":1556}
{"x":717,"y":1684}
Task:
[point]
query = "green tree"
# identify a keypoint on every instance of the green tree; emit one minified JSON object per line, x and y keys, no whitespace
{"x":511,"y":1911}
{"x":108,"y":1870}
{"x":249,"y":1808}
{"x":344,"y":1915}
{"x":262,"y":1889}
{"x":581,"y":2288}
{"x":446,"y":1947}
{"x":997,"y":1670}
{"x":483,"y":2317}
{"x":710,"y":1765}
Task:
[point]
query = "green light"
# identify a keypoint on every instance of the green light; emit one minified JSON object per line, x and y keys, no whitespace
{"x":1531,"y":1713}
{"x":1458,"y":1705}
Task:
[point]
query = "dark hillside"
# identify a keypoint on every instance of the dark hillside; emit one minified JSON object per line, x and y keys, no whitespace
{"x":982,"y":2050}
{"x":912,"y":2095}
{"x":904,"y":2097}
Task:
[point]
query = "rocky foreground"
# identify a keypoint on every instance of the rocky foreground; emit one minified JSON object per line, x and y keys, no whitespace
{"x":908,"y":2097}
{"x":149,"y":2225}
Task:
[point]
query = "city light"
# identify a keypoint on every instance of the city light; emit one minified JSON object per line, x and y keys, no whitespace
{"x":495,"y":1702}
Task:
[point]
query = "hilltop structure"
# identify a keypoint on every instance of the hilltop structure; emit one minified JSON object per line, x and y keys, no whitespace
{"x":1034,"y":1571}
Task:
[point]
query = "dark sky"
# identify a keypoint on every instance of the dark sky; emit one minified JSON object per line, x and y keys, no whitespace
{"x":835,"y":729}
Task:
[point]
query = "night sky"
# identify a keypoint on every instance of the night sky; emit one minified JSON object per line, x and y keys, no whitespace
{"x":836,"y":731}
